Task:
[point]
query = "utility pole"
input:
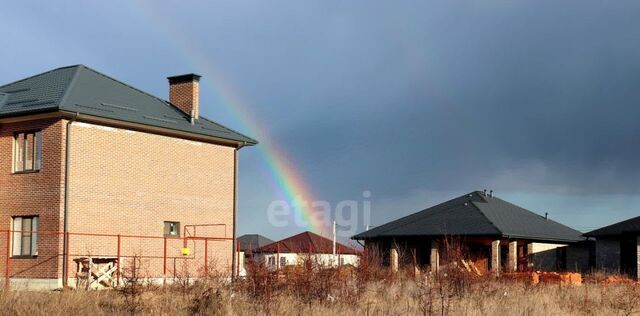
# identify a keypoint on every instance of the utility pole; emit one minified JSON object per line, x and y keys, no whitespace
{"x":334,"y":238}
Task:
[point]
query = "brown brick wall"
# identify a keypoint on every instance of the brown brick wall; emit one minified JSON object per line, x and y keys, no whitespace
{"x":36,"y":193}
{"x":185,"y":96}
{"x":125,"y":182}
{"x":121,"y":182}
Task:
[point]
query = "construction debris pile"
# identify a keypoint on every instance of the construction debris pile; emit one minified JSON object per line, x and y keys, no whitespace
{"x":564,"y":278}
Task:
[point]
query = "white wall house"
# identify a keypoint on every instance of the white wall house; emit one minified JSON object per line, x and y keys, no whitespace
{"x":325,"y":260}
{"x":304,"y":246}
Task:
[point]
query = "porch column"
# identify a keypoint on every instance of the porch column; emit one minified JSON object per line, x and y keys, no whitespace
{"x":495,"y":257}
{"x":512,"y":260}
{"x":531,"y":264}
{"x":434,"y":258}
{"x":393,"y":259}
{"x":638,"y":257}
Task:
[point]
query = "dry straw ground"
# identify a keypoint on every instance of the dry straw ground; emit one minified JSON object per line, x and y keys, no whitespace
{"x":306,"y":290}
{"x":398,"y":297}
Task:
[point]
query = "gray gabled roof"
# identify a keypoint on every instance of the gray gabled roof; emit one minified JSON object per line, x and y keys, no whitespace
{"x":630,"y":226}
{"x":475,"y":214}
{"x":250,"y":242}
{"x":80,"y":89}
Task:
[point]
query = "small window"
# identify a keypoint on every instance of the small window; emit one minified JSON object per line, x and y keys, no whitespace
{"x":272,"y":261}
{"x":25,"y":236}
{"x":283,"y":261}
{"x":172,"y":229}
{"x":27,"y":152}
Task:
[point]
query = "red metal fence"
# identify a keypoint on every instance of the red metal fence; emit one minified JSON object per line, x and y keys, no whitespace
{"x":63,"y":254}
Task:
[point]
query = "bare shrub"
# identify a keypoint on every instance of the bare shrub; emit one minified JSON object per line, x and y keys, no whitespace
{"x":454,"y":255}
{"x":182,"y":277}
{"x":371,"y":267}
{"x":207,"y":294}
{"x":259,"y":286}
{"x":133,"y":285}
{"x":207,"y":301}
{"x":312,"y":282}
{"x":628,"y":301}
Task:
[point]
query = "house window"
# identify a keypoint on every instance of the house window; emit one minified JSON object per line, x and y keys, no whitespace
{"x":272,"y":261}
{"x":172,"y":229}
{"x":342,"y":261}
{"x":27,"y":152}
{"x":283,"y":261}
{"x":25,"y":236}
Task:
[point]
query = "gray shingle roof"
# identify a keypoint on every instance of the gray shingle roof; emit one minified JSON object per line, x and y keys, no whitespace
{"x":80,"y":89}
{"x":252,"y":242}
{"x":629,"y":226}
{"x":475,"y":214}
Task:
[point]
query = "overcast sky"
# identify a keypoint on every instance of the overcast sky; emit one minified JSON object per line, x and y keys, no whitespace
{"x":414,"y":101}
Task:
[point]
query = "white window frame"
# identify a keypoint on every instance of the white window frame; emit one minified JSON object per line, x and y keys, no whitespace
{"x":20,"y":233}
{"x":27,"y":160}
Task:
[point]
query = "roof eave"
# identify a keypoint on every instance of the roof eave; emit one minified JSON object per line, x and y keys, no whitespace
{"x":544,"y":238}
{"x":155,"y":129}
{"x":515,"y":236}
{"x":610,"y":235}
{"x":358,"y":237}
{"x":24,"y":114}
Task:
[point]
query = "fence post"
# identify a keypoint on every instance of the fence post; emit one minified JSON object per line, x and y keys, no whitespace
{"x":206,"y":257}
{"x":66,"y":259}
{"x":238,"y":260}
{"x":164,"y":261}
{"x":118,"y":264}
{"x":7,"y":279}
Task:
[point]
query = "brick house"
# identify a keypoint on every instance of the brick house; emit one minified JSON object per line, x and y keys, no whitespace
{"x":495,"y":236}
{"x":617,"y":248}
{"x":83,"y":153}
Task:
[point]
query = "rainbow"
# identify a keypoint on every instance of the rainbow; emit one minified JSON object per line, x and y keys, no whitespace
{"x":288,"y":180}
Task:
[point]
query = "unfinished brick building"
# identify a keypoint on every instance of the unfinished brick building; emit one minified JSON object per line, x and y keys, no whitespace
{"x":85,"y":158}
{"x":617,"y":248}
{"x":494,"y":234}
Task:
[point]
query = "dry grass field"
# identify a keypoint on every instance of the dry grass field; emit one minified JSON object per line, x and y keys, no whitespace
{"x":366,"y":290}
{"x":377,"y":298}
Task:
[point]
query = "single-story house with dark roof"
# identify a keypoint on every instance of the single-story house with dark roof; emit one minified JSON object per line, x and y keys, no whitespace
{"x":617,"y":247}
{"x":293,"y":250}
{"x":498,"y":235}
{"x":247,"y":243}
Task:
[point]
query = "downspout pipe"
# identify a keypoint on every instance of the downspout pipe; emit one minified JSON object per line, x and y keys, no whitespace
{"x":235,"y":270}
{"x":67,"y":163}
{"x":234,"y":250}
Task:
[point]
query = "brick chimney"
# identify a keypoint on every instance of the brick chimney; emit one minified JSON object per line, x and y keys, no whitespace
{"x":184,"y":92}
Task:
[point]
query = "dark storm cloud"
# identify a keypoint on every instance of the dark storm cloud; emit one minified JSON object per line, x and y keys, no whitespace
{"x":528,"y":89}
{"x":400,"y":98}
